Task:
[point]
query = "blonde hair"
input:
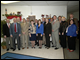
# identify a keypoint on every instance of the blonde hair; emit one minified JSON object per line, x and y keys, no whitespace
{"x":63,"y":17}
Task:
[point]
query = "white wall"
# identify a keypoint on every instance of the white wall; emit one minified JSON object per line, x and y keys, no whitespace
{"x":36,"y":10}
{"x":76,"y":14}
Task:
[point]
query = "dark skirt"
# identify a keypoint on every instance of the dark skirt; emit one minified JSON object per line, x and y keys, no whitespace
{"x":39,"y":37}
{"x":33,"y":37}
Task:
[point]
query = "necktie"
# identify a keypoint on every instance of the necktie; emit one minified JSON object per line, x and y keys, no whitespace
{"x":15,"y":27}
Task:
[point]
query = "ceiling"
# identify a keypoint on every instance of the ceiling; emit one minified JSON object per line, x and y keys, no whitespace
{"x":72,"y":6}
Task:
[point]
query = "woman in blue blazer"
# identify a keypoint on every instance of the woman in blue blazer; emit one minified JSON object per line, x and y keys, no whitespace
{"x":39,"y":33}
{"x":71,"y":33}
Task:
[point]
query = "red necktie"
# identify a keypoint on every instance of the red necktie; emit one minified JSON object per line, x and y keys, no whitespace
{"x":15,"y":27}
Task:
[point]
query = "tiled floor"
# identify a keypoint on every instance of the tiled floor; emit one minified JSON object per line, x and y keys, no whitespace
{"x":45,"y":53}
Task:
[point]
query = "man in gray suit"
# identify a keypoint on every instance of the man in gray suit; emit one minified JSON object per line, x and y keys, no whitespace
{"x":55,"y":32}
{"x":15,"y":33}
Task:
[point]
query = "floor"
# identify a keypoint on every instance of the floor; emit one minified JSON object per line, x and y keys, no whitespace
{"x":44,"y":53}
{"x":72,"y":55}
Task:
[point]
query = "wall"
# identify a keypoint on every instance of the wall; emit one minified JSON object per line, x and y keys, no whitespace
{"x":36,"y":10}
{"x":76,"y":14}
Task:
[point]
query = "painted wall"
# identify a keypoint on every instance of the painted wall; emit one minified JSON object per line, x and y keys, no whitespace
{"x":36,"y":10}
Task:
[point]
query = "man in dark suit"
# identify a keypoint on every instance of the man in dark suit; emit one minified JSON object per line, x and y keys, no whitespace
{"x":15,"y":33}
{"x":6,"y":33}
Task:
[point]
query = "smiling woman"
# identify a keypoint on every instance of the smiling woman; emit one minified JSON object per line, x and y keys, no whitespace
{"x":7,"y":2}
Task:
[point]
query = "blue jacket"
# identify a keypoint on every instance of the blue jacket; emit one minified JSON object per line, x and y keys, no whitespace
{"x":72,"y":30}
{"x":40,"y":29}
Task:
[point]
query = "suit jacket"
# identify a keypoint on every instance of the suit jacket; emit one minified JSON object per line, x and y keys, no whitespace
{"x":6,"y":30}
{"x":56,"y":26}
{"x":40,"y":29}
{"x":63,"y":26}
{"x":75,"y":20}
{"x":12,"y":29}
{"x":47,"y":28}
{"x":24,"y":27}
{"x":72,"y":30}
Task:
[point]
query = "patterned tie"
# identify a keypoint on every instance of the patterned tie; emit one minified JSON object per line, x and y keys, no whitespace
{"x":15,"y":27}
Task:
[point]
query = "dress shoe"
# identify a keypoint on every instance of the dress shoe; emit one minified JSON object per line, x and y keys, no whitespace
{"x":56,"y":48}
{"x":40,"y":47}
{"x":7,"y":49}
{"x":13,"y":49}
{"x":27,"y":47}
{"x":47,"y":47}
{"x":53,"y":46}
{"x":34,"y":47}
{"x":71,"y":50}
{"x":19,"y":49}
{"x":22,"y":48}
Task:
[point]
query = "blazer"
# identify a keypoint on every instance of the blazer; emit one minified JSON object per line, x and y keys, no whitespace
{"x":76,"y":22}
{"x":12,"y":29}
{"x":47,"y":28}
{"x":56,"y":26}
{"x":32,"y":30}
{"x":6,"y":30}
{"x":40,"y":29}
{"x":24,"y":27}
{"x":72,"y":30}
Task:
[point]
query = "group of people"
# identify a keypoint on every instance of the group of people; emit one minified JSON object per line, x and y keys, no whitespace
{"x":39,"y":32}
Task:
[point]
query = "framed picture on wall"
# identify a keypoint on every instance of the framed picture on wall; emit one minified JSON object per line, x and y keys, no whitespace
{"x":33,"y":17}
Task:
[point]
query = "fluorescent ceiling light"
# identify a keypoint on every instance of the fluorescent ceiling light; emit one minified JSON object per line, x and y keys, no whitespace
{"x":7,"y":2}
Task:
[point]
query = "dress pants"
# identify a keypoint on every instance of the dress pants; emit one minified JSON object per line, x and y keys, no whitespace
{"x":71,"y":43}
{"x":63,"y":40}
{"x":8,"y":39}
{"x":25,"y":39}
{"x":55,"y":39}
{"x":44,"y":40}
{"x":47,"y":40}
{"x":16,"y":36}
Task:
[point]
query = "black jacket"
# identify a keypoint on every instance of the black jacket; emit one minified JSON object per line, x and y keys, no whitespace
{"x":6,"y":30}
{"x":63,"y":26}
{"x":47,"y":28}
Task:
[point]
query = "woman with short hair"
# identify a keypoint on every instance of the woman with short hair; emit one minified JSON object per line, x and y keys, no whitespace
{"x":32,"y":33}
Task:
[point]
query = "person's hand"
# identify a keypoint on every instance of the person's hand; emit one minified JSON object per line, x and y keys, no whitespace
{"x":41,"y":34}
{"x":70,"y":36}
{"x":52,"y":30}
{"x":76,"y":32}
{"x":62,"y":33}
{"x":59,"y":33}
{"x":30,"y":35}
{"x":11,"y":36}
{"x":19,"y":34}
{"x":36,"y":34}
{"x":4,"y":36}
{"x":49,"y":34}
{"x":23,"y":32}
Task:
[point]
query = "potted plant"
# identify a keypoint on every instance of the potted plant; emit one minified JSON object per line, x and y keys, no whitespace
{"x":3,"y":44}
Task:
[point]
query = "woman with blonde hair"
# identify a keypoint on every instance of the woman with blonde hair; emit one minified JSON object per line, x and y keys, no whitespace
{"x":62,"y":32}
